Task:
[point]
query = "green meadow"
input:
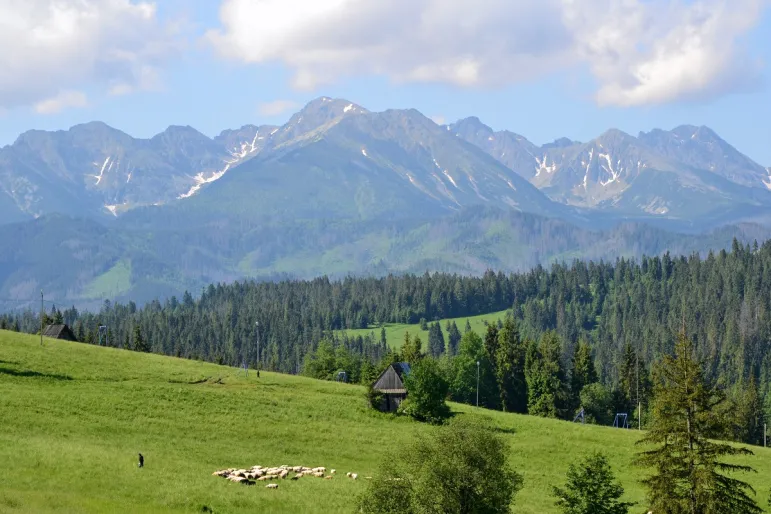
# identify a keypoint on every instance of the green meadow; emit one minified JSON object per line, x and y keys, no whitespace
{"x":74,"y":417}
{"x":395,"y":331}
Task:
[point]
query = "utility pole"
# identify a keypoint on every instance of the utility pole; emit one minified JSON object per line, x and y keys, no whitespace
{"x":477,"y":383}
{"x":42,"y":313}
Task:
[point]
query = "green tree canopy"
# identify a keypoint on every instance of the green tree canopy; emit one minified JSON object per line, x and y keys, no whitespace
{"x":460,"y":468}
{"x":426,"y":392}
{"x":591,"y":489}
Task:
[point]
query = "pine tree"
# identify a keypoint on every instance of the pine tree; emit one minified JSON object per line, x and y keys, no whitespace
{"x":627,"y":379}
{"x":411,"y":349}
{"x":491,"y":344}
{"x":688,"y":474}
{"x":468,"y":327}
{"x":545,"y":377}
{"x":748,"y":414}
{"x":436,"y":340}
{"x":383,"y":339}
{"x":582,"y":373}
{"x":453,"y":339}
{"x":510,"y":368}
{"x":140,"y":345}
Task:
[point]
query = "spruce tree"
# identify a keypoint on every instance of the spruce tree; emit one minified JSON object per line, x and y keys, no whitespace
{"x":510,"y":368}
{"x":436,"y":340}
{"x":545,"y":378}
{"x":468,"y":327}
{"x":491,"y":344}
{"x":411,"y":349}
{"x":140,"y":345}
{"x":582,"y":373}
{"x":748,"y":414}
{"x":453,"y":339}
{"x":688,"y":467}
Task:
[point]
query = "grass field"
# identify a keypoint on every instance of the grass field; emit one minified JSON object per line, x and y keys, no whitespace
{"x":73,"y":418}
{"x":395,"y":331}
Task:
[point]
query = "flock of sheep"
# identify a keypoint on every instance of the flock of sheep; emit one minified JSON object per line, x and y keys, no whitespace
{"x":261,"y":474}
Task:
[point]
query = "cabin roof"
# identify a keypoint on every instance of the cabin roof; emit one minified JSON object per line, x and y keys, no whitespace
{"x":391,"y":380}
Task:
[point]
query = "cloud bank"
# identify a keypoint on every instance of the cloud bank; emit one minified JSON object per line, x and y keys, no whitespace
{"x":53,"y":48}
{"x":638,"y":51}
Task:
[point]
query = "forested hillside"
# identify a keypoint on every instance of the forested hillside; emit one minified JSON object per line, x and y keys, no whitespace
{"x":724,"y":301}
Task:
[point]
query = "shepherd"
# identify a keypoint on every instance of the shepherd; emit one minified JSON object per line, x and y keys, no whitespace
{"x":141,"y":461}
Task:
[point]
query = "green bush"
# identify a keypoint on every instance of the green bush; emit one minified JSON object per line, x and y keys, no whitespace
{"x":590,"y":489}
{"x":426,"y":393}
{"x":459,"y":468}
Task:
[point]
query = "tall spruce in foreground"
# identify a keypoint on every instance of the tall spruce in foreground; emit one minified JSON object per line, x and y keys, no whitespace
{"x":591,"y":489}
{"x":510,"y":367}
{"x":545,"y":378}
{"x":688,"y":471}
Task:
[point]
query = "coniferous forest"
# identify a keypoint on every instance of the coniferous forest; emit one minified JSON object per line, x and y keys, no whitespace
{"x":578,"y":335}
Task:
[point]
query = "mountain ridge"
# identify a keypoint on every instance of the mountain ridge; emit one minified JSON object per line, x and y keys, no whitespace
{"x":97,"y":170}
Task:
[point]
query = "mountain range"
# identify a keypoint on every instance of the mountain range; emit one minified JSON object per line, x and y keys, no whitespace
{"x":93,"y":213}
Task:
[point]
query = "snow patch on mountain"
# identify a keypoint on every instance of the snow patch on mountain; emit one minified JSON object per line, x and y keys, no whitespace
{"x":614,"y":173}
{"x":588,"y":165}
{"x":101,"y":170}
{"x":543,"y":165}
{"x":768,"y":184}
{"x":447,"y":174}
{"x":364,"y":152}
{"x":238,"y":155}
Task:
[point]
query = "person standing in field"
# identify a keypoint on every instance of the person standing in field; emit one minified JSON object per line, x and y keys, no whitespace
{"x":141,"y":461}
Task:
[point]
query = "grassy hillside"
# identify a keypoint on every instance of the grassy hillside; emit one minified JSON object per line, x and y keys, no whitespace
{"x":74,"y":418}
{"x":395,"y":331}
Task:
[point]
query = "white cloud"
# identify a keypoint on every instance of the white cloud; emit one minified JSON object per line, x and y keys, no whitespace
{"x":54,"y":46}
{"x":276,"y":107}
{"x":639,"y":51}
{"x":63,"y":100}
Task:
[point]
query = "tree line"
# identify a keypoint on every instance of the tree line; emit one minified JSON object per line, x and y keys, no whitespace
{"x":623,"y":313}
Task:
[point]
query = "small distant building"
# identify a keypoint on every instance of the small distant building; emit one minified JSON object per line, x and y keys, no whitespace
{"x":391,"y":384}
{"x":59,"y":332}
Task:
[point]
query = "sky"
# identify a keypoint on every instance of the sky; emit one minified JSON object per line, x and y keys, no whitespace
{"x":545,"y":69}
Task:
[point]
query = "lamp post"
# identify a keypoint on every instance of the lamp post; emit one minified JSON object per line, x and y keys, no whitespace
{"x":477,"y":383}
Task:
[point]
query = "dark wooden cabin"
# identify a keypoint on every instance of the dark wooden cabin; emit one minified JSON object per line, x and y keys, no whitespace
{"x":391,"y":384}
{"x":59,"y":332}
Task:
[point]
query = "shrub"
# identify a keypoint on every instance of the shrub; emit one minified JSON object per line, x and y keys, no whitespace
{"x":459,"y":468}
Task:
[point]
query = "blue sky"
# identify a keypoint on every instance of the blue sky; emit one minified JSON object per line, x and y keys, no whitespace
{"x":558,"y":68}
